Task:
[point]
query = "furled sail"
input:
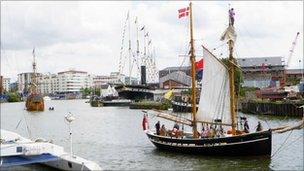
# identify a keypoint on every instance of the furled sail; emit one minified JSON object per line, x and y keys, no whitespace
{"x":229,"y":34}
{"x":214,"y":102}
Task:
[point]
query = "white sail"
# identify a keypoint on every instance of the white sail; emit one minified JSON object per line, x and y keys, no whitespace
{"x":114,"y":92}
{"x":215,"y":94}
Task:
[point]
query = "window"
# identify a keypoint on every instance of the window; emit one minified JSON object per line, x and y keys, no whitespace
{"x":19,"y":149}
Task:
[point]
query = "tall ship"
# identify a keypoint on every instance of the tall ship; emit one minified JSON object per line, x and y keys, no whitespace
{"x":34,"y":101}
{"x":138,"y":61}
{"x":221,"y":134}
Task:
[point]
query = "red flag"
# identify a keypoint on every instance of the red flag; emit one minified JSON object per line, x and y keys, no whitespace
{"x":199,"y":65}
{"x":183,"y":12}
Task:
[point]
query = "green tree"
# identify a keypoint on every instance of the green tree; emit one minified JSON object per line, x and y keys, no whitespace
{"x":86,"y":91}
{"x":13,"y":97}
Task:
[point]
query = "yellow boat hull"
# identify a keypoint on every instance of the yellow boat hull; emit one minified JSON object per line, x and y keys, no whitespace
{"x":34,"y":103}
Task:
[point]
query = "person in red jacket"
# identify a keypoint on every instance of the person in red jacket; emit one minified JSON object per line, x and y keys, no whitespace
{"x":145,"y":122}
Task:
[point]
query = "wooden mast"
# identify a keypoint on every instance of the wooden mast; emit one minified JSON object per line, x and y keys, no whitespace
{"x":231,"y":83}
{"x":232,"y":87}
{"x":34,"y":77}
{"x":192,"y":59}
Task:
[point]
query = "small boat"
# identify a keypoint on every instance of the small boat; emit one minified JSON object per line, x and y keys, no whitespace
{"x":34,"y":101}
{"x":217,"y":108}
{"x":17,"y":150}
{"x":45,"y":98}
{"x":95,"y":101}
{"x":51,"y":108}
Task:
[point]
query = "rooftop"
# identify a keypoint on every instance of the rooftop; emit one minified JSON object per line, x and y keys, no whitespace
{"x":260,"y":61}
{"x":72,"y":71}
{"x":177,"y":68}
{"x":294,"y":71}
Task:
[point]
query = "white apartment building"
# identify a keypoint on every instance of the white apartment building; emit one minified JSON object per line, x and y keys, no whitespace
{"x":6,"y":84}
{"x":114,"y":78}
{"x":73,"y":81}
{"x":70,"y":81}
{"x":48,"y":83}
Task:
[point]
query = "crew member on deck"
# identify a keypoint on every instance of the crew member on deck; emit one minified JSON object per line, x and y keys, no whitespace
{"x":157,"y":127}
{"x":163,"y":131}
{"x":145,"y":122}
{"x":259,"y":127}
{"x":175,"y":130}
{"x":246,"y":127}
{"x":176,"y":126}
{"x":222,"y":132}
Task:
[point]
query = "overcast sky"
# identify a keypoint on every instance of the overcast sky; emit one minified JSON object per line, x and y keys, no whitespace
{"x":87,"y":35}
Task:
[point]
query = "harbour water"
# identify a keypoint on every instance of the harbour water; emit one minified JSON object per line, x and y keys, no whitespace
{"x":113,"y":137}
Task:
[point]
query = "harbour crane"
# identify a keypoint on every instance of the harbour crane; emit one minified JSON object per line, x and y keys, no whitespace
{"x":272,"y":92}
{"x":292,"y":48}
{"x":289,"y":57}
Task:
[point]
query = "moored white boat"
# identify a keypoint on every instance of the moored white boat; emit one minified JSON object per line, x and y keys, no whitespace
{"x":17,"y":150}
{"x":45,"y":98}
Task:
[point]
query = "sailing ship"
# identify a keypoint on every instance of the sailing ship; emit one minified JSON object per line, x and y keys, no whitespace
{"x":34,"y":101}
{"x":217,"y":107}
{"x":143,"y":60}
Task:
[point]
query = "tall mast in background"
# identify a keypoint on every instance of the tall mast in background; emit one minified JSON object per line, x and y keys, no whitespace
{"x":192,"y":60}
{"x":130,"y":52}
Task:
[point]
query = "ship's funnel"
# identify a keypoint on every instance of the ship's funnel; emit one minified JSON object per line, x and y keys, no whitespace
{"x":143,"y":75}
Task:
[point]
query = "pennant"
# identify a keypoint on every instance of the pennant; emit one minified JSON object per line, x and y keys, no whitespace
{"x":183,"y":12}
{"x":147,"y":34}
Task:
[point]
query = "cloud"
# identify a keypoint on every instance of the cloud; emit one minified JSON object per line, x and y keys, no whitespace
{"x":87,"y":35}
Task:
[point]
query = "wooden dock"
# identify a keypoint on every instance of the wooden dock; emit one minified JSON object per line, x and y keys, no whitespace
{"x":273,"y":108}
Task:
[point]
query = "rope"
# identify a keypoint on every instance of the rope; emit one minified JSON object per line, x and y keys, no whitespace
{"x":282,"y":144}
{"x":288,"y":145}
{"x":218,"y":47}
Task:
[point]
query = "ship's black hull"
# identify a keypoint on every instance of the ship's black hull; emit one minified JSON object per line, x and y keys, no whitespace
{"x":181,"y":107}
{"x":242,"y":145}
{"x":135,"y":92}
{"x":135,"y":95}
